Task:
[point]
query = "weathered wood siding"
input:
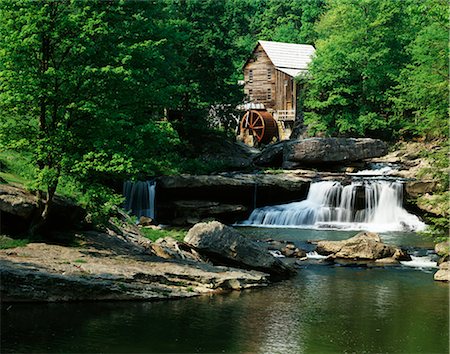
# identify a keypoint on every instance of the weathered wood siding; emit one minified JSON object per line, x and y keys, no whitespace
{"x":263,"y":83}
{"x":259,"y":77}
{"x":285,"y":91}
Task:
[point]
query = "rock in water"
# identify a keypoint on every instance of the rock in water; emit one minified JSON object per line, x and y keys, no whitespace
{"x":365,"y":245}
{"x":443,"y":274}
{"x":316,"y":151}
{"x":222,"y":244}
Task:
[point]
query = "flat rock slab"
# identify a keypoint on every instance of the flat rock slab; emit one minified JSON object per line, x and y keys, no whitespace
{"x":42,"y":272}
{"x":316,"y":151}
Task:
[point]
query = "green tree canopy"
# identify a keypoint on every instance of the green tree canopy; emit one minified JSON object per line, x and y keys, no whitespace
{"x":80,"y":85}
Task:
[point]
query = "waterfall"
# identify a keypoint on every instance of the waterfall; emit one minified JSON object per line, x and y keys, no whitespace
{"x":362,"y":205}
{"x":140,"y":198}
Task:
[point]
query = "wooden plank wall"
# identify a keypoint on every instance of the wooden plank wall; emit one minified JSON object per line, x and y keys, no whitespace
{"x":260,"y":65}
{"x":280,"y":84}
{"x":284,"y":91}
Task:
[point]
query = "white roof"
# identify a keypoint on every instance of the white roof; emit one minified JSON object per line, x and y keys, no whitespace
{"x":288,"y":57}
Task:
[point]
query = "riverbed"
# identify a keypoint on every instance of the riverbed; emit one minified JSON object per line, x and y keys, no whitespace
{"x":325,"y":308}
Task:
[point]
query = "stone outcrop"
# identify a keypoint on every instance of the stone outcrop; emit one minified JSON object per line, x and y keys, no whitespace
{"x":18,"y":207}
{"x":17,"y":201}
{"x":271,"y":156}
{"x":363,"y":246}
{"x":442,"y":248}
{"x":169,"y":248}
{"x":224,"y":245}
{"x":104,"y":269}
{"x":227,"y":197}
{"x":318,"y":151}
{"x":443,"y":274}
{"x":190,"y":212}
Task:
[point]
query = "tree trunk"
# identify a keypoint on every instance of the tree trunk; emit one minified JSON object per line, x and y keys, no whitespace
{"x":45,"y":203}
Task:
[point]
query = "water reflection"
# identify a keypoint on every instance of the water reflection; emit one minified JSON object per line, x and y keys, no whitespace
{"x":324,"y":309}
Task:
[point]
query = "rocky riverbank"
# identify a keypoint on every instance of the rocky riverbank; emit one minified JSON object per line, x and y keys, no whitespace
{"x":119,"y":264}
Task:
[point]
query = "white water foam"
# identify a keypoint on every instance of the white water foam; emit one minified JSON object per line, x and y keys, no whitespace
{"x":420,"y":262}
{"x":276,"y":254}
{"x":315,"y":255}
{"x":384,"y":171}
{"x":363,"y":205}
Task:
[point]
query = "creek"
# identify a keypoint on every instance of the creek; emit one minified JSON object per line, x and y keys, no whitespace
{"x":324,"y":308}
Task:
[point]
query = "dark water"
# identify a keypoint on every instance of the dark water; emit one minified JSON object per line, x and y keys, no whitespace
{"x":324,"y":309}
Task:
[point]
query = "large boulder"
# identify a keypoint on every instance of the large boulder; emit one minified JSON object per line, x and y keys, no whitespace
{"x":224,"y":245}
{"x":364,"y":246}
{"x":17,"y":201}
{"x":19,"y":206}
{"x":443,"y":274}
{"x":271,"y":156}
{"x":317,"y":151}
{"x":442,"y":248}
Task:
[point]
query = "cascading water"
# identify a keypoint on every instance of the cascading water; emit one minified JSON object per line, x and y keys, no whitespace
{"x":362,"y":205}
{"x":140,"y":197}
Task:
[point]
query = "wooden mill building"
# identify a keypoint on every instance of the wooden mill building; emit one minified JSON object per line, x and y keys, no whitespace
{"x":270,"y":87}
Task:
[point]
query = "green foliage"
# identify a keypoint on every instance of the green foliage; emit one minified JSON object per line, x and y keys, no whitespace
{"x":16,"y":167}
{"x":439,"y":202}
{"x":100,"y":202}
{"x":79,"y":81}
{"x":155,"y":234}
{"x":359,"y":54}
{"x":7,"y":242}
{"x":380,"y":69}
{"x":421,"y":97}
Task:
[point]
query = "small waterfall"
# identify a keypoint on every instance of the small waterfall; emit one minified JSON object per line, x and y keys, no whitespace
{"x":362,"y":205}
{"x":140,"y":198}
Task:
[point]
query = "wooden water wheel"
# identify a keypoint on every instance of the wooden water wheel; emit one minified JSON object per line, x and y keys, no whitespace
{"x":260,"y":124}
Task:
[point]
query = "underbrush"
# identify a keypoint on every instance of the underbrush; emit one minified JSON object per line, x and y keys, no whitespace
{"x":7,"y":242}
{"x":16,"y":168}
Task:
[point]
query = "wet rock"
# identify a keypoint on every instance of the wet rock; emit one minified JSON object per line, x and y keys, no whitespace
{"x":387,"y":261}
{"x":316,"y":151}
{"x":290,"y":250}
{"x":224,"y":245}
{"x":443,"y":274}
{"x":365,"y":245}
{"x":287,"y":252}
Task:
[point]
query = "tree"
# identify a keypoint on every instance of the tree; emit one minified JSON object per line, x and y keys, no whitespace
{"x":360,"y":53}
{"x":421,"y":97}
{"x":78,"y":80}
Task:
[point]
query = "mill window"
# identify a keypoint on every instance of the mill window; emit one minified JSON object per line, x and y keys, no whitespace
{"x":250,"y":76}
{"x":250,"y":93}
{"x":269,"y":74}
{"x":269,"y":94}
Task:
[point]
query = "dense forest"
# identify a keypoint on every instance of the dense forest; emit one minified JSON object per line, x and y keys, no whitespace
{"x":87,"y":87}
